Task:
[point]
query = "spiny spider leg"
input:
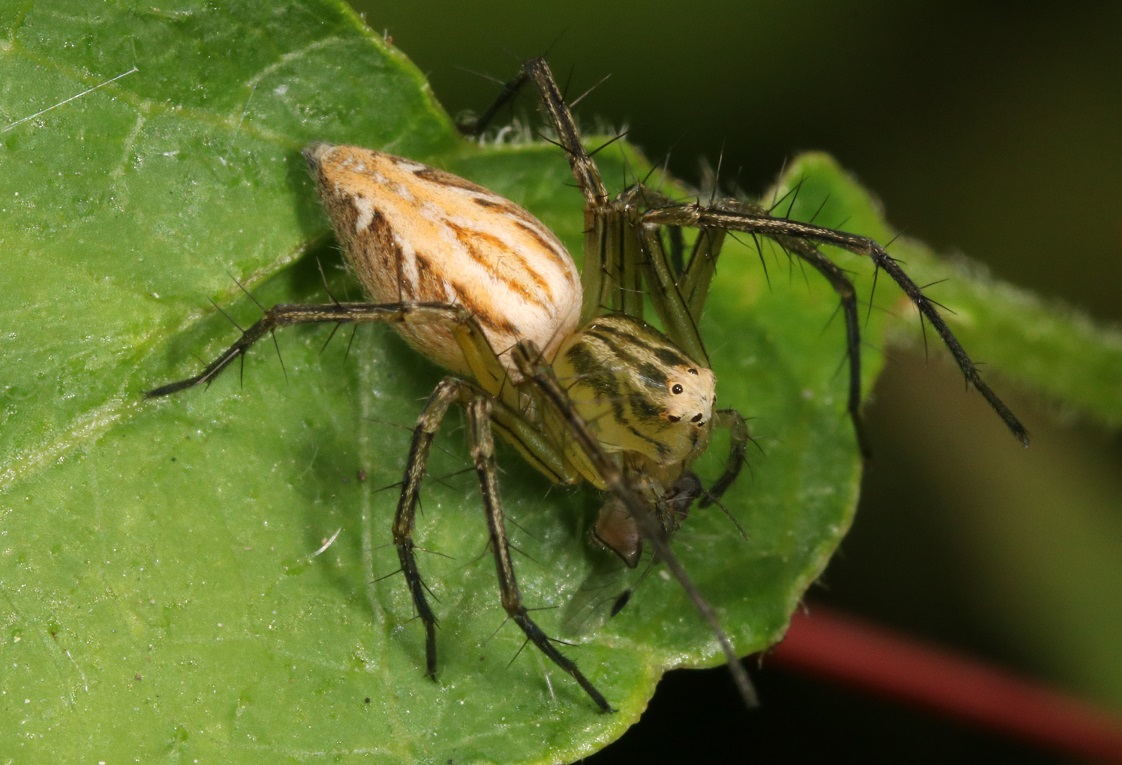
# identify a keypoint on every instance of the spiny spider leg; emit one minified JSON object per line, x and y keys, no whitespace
{"x":678,"y":292}
{"x":530,"y":364}
{"x":285,"y":315}
{"x":699,"y":272}
{"x":615,"y":260}
{"x":739,"y":216}
{"x":606,"y":285}
{"x":681,"y":315}
{"x":848,"y":297}
{"x":732,"y":421}
{"x":626,"y":233}
{"x":478,"y":406}
{"x":688,"y":280}
{"x":733,"y":215}
{"x":428,"y":423}
{"x":483,"y":454}
{"x":560,"y":118}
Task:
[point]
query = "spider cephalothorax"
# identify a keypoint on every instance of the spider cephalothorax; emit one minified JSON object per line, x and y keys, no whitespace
{"x":561,"y":364}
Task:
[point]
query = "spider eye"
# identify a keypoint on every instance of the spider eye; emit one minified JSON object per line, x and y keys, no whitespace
{"x":692,"y":371}
{"x":676,"y":389}
{"x":696,"y":418}
{"x":673,"y":417}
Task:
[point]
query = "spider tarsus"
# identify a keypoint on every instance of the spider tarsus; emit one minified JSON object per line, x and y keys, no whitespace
{"x":620,"y":602}
{"x":544,"y":644}
{"x":859,"y":434}
{"x":175,"y":387}
{"x":475,"y":126}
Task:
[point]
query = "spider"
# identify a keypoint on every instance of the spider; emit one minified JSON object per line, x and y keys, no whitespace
{"x":561,"y":364}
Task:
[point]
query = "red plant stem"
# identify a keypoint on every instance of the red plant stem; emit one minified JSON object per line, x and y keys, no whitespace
{"x":827,"y":645}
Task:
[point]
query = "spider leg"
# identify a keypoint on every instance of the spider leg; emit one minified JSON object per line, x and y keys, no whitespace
{"x":733,"y":421}
{"x":479,"y":410}
{"x":611,"y":281}
{"x":481,"y":359}
{"x":585,"y":172}
{"x":483,"y":454}
{"x":677,"y":290}
{"x":699,"y":272}
{"x":428,"y":423}
{"x":614,"y":262}
{"x":678,"y":321}
{"x":801,"y":238}
{"x":692,"y":278}
{"x":848,"y":296}
{"x":476,"y":126}
{"x":482,"y":405}
{"x":552,"y":394}
{"x":536,"y":70}
{"x":526,"y":435}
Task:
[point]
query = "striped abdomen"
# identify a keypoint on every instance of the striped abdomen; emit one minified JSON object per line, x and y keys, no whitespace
{"x":415,"y":234}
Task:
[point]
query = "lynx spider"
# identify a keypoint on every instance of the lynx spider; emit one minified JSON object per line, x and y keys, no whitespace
{"x":561,"y":364}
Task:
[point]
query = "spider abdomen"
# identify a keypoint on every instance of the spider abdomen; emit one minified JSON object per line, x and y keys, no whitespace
{"x":415,"y":234}
{"x":637,"y":390}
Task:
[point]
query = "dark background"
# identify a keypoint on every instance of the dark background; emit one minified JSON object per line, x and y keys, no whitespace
{"x":992,"y":132}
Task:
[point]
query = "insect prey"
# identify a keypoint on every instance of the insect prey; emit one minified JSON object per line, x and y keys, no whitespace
{"x":561,"y":364}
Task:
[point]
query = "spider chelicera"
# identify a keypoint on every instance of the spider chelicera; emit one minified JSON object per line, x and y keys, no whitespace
{"x":561,"y":364}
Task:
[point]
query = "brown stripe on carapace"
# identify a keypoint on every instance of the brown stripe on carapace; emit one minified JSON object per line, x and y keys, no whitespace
{"x":617,"y":343}
{"x":660,"y":447}
{"x":652,"y":374}
{"x":643,"y":407}
{"x":670,"y":356}
{"x":592,"y":372}
{"x":664,"y":352}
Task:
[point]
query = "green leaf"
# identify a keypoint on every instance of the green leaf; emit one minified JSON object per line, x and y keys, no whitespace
{"x":210,"y":576}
